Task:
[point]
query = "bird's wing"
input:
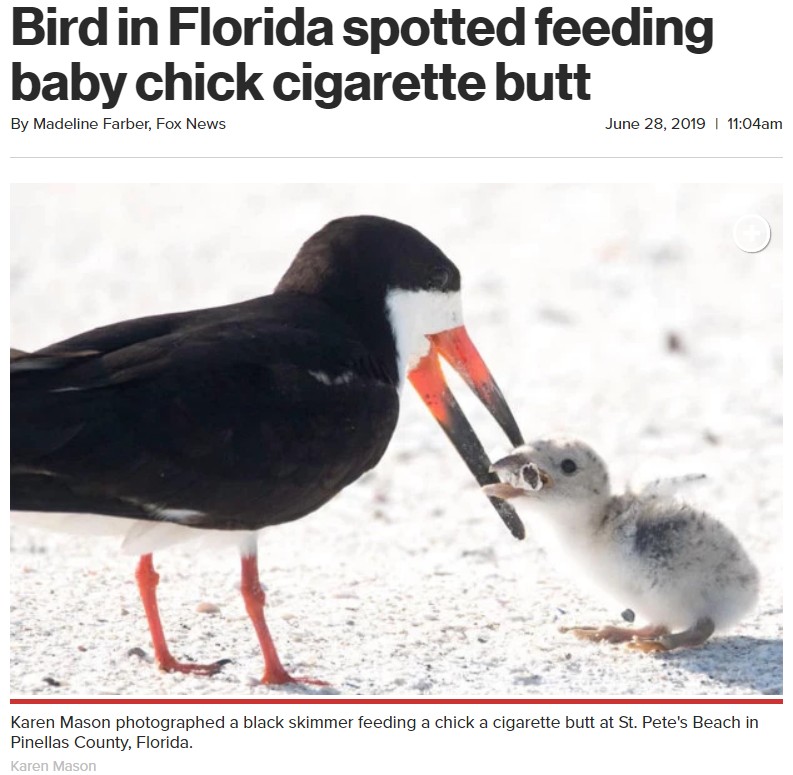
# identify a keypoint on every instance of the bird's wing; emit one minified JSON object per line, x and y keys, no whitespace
{"x":247,"y":420}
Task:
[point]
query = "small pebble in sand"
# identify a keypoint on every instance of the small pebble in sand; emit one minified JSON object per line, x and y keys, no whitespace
{"x":674,"y":342}
{"x":207,"y":608}
{"x":683,"y":573}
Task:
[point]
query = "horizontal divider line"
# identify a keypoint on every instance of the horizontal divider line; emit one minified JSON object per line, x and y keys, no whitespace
{"x":396,"y":701}
{"x":505,"y":158}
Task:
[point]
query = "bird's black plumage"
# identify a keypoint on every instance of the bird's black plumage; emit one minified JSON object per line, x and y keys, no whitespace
{"x":241,"y":416}
{"x":214,"y":411}
{"x":252,"y":414}
{"x":223,"y":412}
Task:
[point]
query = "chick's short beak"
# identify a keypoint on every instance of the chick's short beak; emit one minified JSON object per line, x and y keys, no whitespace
{"x":510,"y":469}
{"x":502,"y":490}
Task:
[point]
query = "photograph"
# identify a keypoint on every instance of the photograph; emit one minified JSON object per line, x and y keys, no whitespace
{"x":396,"y":439}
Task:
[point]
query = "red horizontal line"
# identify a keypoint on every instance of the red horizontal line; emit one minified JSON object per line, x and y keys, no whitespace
{"x":433,"y":701}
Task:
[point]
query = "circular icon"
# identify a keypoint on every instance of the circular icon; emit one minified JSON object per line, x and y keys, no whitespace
{"x":751,"y":233}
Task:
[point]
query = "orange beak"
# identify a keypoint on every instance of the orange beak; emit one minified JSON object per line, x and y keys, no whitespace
{"x":457,"y":348}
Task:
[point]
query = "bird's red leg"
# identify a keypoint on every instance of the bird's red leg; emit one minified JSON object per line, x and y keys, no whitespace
{"x":147,"y":579}
{"x":253,"y":595}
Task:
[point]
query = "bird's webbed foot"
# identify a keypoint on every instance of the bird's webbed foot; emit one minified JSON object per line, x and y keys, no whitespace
{"x":611,"y":634}
{"x":690,"y":638}
{"x":279,"y":677}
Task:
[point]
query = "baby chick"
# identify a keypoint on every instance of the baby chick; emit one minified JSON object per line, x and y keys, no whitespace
{"x":679,"y":570}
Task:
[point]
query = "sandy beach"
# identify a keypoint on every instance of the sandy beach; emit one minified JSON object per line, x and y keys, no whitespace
{"x":625,"y":315}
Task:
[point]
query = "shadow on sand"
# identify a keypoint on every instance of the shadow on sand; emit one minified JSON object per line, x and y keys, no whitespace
{"x":739,"y":660}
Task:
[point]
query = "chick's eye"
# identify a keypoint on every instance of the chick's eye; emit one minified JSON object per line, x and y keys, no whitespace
{"x":568,"y":466}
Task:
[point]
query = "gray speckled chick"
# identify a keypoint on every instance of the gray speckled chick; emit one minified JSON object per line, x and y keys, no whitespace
{"x":683,"y":573}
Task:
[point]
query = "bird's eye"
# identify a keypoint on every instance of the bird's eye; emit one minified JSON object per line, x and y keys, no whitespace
{"x":440,"y":278}
{"x":568,"y":466}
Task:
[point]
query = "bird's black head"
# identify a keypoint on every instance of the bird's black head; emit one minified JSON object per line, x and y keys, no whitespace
{"x":401,"y":295}
{"x":366,"y":254}
{"x":386,"y":279}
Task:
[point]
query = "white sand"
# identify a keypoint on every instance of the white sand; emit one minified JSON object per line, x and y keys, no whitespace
{"x":408,"y":583}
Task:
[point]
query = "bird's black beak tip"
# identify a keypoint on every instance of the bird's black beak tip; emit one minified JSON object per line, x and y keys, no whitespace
{"x":427,"y":378}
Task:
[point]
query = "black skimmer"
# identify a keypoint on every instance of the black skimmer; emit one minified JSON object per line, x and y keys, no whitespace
{"x":235,"y":418}
{"x":684,"y":574}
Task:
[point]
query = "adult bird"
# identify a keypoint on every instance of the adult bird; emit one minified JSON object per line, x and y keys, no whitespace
{"x":238,"y":417}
